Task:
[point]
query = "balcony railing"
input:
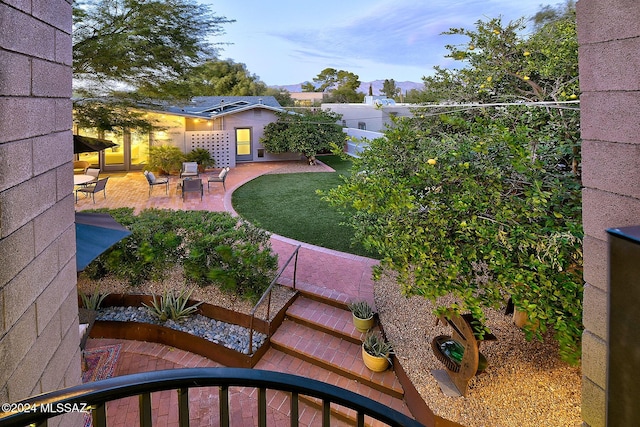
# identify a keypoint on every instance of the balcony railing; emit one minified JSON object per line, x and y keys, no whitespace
{"x":97,"y":394}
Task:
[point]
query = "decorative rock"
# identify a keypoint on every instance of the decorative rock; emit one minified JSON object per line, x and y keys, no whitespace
{"x":232,"y":336}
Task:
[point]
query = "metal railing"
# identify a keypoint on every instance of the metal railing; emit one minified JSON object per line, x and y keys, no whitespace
{"x":267,"y":293}
{"x":96,"y":394}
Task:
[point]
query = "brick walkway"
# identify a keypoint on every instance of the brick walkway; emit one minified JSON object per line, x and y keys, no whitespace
{"x":335,"y":275}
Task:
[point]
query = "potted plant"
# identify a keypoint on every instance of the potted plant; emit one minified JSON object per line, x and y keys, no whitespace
{"x":202,"y":157}
{"x":376,"y":352}
{"x":165,"y":159}
{"x":362,"y":314}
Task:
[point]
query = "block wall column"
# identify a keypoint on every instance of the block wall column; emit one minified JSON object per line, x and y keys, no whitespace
{"x":39,"y":342}
{"x":609,"y":39}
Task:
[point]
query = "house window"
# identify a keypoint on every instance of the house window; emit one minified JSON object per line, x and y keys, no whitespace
{"x":362,"y":126}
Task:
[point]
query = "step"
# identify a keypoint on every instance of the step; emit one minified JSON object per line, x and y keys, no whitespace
{"x":330,"y":319}
{"x":278,"y":361}
{"x":334,"y":354}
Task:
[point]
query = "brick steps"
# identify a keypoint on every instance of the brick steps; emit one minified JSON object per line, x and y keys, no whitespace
{"x":318,"y":340}
{"x":278,"y":361}
{"x":330,"y":319}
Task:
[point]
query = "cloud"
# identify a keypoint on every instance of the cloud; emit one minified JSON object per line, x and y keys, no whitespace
{"x":400,"y":33}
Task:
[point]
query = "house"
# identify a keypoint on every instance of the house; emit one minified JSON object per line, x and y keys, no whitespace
{"x":374,"y":114}
{"x":229,"y":127}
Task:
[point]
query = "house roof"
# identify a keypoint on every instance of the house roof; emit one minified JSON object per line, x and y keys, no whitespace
{"x":217,"y":106}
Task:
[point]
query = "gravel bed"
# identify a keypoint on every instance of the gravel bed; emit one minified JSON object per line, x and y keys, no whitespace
{"x":525,"y":384}
{"x":231,"y":336}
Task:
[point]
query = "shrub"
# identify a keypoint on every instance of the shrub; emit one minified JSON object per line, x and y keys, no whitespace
{"x":213,"y":248}
{"x":165,"y":158}
{"x":200,"y":156}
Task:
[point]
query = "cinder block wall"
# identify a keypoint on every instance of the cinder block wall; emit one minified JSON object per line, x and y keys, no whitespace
{"x":39,"y":342}
{"x":609,"y":38}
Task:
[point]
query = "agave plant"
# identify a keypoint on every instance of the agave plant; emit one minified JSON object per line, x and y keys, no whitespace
{"x":375,"y":345}
{"x":93,"y":301}
{"x":361,"y":309}
{"x":172,"y":305}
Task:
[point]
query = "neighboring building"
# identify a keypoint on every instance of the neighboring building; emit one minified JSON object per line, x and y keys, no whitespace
{"x":229,"y":127}
{"x":374,"y":114}
{"x":307,"y":99}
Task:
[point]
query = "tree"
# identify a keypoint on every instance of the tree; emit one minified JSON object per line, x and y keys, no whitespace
{"x":308,"y":132}
{"x":131,"y":42}
{"x":212,"y":78}
{"x":120,"y":46}
{"x":503,"y":65}
{"x":484,"y":204}
{"x":389,"y":89}
{"x":340,"y":85}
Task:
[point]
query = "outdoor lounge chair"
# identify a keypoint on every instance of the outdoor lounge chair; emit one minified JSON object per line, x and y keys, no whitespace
{"x":152,"y":180}
{"x":220,"y":178}
{"x":189,"y":169}
{"x":100,"y":185}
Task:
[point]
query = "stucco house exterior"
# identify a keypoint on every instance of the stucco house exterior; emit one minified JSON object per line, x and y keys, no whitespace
{"x":373,"y":114}
{"x":229,"y":127}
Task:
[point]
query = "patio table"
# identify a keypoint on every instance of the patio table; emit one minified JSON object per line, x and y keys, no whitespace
{"x":82,"y":179}
{"x":193,"y":185}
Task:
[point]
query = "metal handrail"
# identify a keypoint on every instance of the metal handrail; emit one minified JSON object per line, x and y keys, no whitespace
{"x":97,"y":394}
{"x":267,"y":292}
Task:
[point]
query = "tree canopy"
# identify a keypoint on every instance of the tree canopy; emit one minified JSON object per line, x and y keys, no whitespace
{"x":308,"y":132}
{"x":501,"y":64}
{"x":389,"y":89}
{"x":340,"y":85}
{"x":484,"y":204}
{"x":128,"y":43}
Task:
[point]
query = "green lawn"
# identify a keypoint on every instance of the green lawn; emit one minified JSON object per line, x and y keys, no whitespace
{"x":288,"y":205}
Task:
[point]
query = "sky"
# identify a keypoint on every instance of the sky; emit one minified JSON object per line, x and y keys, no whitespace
{"x":291,"y":41}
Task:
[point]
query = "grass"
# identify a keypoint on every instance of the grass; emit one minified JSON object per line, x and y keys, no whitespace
{"x":287,"y":204}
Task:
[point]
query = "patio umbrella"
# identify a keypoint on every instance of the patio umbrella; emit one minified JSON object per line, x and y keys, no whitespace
{"x":95,"y":233}
{"x":86,"y":144}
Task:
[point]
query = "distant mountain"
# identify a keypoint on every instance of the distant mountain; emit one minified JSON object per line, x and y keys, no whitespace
{"x":376,"y":86}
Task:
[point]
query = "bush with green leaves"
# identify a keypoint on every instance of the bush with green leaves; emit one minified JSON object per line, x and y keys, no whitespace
{"x":201,"y":156}
{"x":483,"y":205}
{"x":212,"y":247}
{"x":165,"y":159}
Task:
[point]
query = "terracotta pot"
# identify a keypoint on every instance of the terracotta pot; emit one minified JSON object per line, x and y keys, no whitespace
{"x":375,"y":363}
{"x":520,"y":319}
{"x":363,"y":325}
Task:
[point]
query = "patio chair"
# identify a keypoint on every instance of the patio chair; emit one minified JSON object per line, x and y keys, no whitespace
{"x":220,"y":178}
{"x":153,"y":181}
{"x":100,"y":185}
{"x":95,"y":173}
{"x":80,"y":166}
{"x":189,"y":169}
